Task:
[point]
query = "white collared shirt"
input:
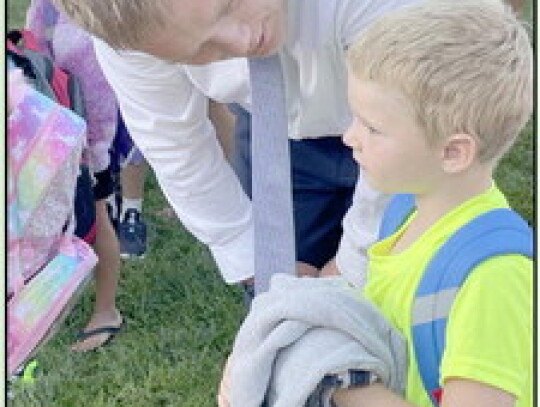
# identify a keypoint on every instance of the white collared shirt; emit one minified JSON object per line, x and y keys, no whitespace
{"x":165,"y":107}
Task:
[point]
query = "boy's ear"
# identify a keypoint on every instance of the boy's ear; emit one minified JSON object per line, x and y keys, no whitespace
{"x":458,"y":153}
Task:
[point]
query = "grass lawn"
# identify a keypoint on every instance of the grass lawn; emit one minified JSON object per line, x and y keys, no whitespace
{"x":180,"y":317}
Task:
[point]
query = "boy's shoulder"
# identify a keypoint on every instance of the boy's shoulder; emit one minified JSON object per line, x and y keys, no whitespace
{"x":401,"y":206}
{"x":487,"y":233}
{"x":494,"y":232}
{"x":497,"y":232}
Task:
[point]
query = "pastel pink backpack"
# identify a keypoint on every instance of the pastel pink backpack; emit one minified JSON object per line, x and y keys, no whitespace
{"x":47,"y":264}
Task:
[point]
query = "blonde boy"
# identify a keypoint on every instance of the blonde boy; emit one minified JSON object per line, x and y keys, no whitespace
{"x":439,"y":92}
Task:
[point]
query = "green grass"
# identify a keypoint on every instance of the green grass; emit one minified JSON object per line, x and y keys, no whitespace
{"x":515,"y":174}
{"x":180,"y":317}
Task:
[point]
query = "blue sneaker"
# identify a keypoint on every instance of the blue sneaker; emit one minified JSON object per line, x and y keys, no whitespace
{"x":131,"y":233}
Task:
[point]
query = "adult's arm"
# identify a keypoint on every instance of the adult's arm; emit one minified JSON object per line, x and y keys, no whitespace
{"x":360,"y":230}
{"x":167,"y":116}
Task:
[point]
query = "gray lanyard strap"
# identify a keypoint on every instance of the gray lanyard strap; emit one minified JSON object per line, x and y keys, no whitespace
{"x":271,"y":173}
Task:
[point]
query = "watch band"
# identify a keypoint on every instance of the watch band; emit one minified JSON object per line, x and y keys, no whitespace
{"x":350,"y":378}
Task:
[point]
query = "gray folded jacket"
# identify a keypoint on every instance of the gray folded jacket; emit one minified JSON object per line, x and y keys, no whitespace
{"x":303,"y":329}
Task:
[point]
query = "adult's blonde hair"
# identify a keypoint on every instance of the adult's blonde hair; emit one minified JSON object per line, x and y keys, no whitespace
{"x":123,"y":24}
{"x":464,"y":65}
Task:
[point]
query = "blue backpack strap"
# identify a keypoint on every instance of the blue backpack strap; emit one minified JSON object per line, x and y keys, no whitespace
{"x":396,"y":213}
{"x":497,"y":232}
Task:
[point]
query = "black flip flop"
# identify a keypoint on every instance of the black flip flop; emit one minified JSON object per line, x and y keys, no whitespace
{"x":111,"y":330}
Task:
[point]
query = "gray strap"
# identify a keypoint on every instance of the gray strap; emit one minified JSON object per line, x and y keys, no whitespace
{"x":431,"y":307}
{"x":271,"y":173}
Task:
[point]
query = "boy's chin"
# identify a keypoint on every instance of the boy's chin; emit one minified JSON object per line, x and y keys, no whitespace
{"x":373,"y":183}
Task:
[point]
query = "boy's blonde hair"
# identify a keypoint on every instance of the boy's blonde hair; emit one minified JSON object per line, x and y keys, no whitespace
{"x":123,"y":24}
{"x":464,"y":65}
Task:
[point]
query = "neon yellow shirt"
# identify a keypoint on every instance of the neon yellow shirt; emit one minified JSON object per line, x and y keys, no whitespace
{"x":489,"y":331}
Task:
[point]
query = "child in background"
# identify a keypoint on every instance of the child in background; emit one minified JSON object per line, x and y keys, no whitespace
{"x":439,"y":92}
{"x":125,"y":206}
{"x":72,"y":49}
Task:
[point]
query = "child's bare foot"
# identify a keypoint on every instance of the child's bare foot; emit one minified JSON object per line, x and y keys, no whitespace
{"x":99,"y":331}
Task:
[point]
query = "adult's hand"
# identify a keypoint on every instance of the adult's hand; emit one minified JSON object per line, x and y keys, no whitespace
{"x":330,"y":269}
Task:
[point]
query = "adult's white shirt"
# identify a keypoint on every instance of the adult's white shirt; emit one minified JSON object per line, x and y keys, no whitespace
{"x":165,"y":105}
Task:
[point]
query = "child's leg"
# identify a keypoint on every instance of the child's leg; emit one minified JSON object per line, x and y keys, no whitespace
{"x":108,"y":267}
{"x":132,"y":178}
{"x":106,"y":276}
{"x":131,"y":227}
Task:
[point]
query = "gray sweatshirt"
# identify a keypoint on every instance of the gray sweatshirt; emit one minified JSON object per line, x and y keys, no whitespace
{"x":304,"y":329}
